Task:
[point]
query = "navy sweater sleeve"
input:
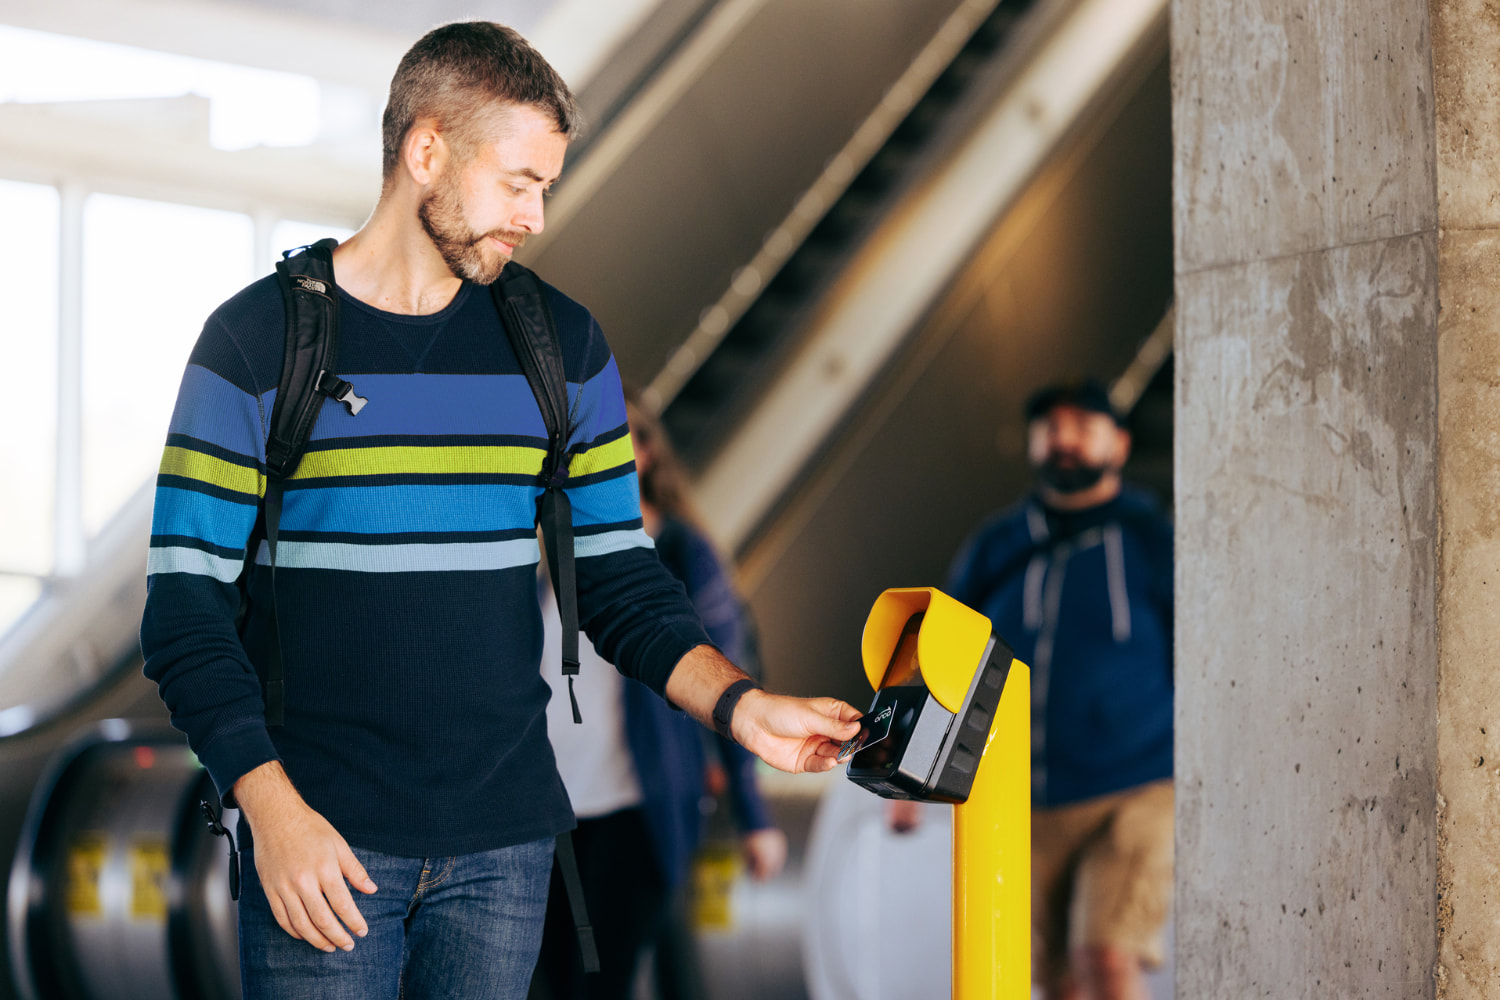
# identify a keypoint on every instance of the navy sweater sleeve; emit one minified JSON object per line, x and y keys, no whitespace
{"x":210,"y":482}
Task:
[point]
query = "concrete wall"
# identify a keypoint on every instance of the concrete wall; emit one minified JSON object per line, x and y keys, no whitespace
{"x":1466,"y":38}
{"x":1308,"y":498}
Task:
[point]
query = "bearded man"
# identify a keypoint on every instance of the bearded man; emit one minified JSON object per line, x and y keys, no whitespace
{"x":1078,"y":578}
{"x":412,"y":762}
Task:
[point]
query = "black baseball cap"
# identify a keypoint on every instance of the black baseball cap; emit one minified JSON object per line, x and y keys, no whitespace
{"x":1084,"y":393}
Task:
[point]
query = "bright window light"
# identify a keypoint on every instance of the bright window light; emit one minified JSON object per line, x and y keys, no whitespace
{"x":17,"y":594}
{"x":28,"y":378}
{"x":248,"y":107}
{"x":152,"y":274}
{"x":288,"y":234}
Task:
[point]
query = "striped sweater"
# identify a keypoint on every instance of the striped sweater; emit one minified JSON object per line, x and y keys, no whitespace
{"x":405,"y":582}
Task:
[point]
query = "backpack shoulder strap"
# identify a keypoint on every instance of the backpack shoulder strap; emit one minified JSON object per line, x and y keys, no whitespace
{"x":312,"y":344}
{"x":533,"y":335}
{"x":307,"y":363}
{"x":532,"y":332}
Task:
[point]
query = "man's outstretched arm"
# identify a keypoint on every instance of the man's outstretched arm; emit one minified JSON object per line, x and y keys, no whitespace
{"x":792,"y":734}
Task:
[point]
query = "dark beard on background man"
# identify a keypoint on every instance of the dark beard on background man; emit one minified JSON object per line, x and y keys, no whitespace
{"x":441,"y":214}
{"x":1070,"y":477}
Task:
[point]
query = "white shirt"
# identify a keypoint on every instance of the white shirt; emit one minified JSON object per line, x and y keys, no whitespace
{"x":593,"y":758}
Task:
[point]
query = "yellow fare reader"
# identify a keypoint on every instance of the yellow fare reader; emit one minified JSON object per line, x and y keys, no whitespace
{"x":926,"y":730}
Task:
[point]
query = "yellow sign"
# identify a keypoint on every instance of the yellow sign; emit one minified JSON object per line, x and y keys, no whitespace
{"x":85,"y":863}
{"x":150,"y":865}
{"x":715,"y":870}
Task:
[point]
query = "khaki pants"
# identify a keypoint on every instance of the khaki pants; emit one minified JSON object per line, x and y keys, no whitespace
{"x":1101,"y":875}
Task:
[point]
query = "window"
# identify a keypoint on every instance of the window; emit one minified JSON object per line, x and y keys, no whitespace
{"x":289,"y":234}
{"x":152,"y":273}
{"x":28,"y":390}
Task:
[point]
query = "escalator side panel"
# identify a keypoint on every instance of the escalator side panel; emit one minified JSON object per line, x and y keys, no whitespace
{"x":663,"y":233}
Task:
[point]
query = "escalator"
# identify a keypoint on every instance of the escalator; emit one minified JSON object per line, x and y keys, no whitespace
{"x":740,"y":262}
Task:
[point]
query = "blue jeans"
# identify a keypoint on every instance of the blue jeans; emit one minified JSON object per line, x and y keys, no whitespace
{"x":467,"y":927}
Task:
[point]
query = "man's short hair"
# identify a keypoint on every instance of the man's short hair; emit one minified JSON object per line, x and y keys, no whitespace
{"x":458,"y":74}
{"x":1087,"y":394}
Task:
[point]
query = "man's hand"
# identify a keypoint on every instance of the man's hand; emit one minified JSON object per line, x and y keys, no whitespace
{"x":765,"y":853}
{"x":793,"y":734}
{"x":903,"y":815}
{"x":302,"y":862}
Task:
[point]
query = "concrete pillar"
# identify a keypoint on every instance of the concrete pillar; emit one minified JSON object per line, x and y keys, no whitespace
{"x":1466,"y":71}
{"x":1338,"y":497}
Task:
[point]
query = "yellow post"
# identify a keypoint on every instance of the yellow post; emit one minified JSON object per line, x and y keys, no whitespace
{"x":992,"y":827}
{"x":992,"y":858}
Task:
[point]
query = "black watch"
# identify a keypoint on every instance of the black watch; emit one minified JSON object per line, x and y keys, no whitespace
{"x":724,"y":709}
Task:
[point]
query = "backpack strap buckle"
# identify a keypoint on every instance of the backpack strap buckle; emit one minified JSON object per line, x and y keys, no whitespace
{"x":336,"y":388}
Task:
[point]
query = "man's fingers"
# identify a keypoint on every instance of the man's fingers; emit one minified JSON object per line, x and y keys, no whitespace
{"x":827,"y":748}
{"x":355,"y":872}
{"x":283,"y":919}
{"x":817,"y":764}
{"x":845,"y":712}
{"x":302,"y":925}
{"x":830,"y":717}
{"x":313,"y":897}
{"x":343,"y":905}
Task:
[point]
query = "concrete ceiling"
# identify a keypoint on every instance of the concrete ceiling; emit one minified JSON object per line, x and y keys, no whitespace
{"x":408,"y":18}
{"x":354,"y":42}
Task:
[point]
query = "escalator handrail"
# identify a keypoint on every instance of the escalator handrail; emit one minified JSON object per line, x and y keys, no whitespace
{"x":748,"y":281}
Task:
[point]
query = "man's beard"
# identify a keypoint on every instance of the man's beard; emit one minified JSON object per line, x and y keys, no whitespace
{"x":462,"y":249}
{"x":1070,"y":477}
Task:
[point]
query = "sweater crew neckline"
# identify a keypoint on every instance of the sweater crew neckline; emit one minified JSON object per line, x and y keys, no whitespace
{"x":407,"y":319}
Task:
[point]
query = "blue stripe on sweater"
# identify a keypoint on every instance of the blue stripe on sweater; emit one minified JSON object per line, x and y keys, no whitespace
{"x":608,"y":502}
{"x":434,"y":404}
{"x":212,"y":409}
{"x":604,"y":408}
{"x":220,"y":522}
{"x":385,"y":510}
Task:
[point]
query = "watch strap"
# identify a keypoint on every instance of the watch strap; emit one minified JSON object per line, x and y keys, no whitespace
{"x":728,"y":701}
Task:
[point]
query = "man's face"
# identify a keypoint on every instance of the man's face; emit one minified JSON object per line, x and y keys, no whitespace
{"x":479,"y":210}
{"x":1072,"y":448}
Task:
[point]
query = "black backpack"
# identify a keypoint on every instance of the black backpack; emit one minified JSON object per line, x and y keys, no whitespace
{"x":308,"y":378}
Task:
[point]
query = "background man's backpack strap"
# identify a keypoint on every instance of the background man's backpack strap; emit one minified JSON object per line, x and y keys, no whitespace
{"x":533,"y":336}
{"x":307,"y":376}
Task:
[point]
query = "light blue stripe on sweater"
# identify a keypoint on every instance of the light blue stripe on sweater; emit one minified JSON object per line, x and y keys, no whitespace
{"x":180,"y":559}
{"x":611,"y":541}
{"x":410,"y":558}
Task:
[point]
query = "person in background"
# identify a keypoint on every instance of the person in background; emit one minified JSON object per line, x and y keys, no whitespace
{"x":637,"y":771}
{"x":1077,"y":577}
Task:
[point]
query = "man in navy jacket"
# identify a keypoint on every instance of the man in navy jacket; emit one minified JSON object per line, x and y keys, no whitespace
{"x":1078,"y":578}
